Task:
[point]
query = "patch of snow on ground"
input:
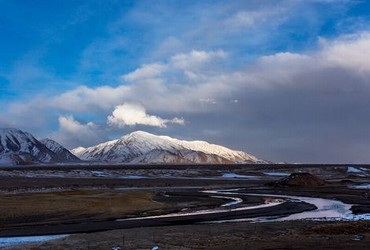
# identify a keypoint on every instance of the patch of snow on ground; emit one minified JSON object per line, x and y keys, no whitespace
{"x":99,"y":173}
{"x":353,"y":170}
{"x":133,"y":177}
{"x":362,"y":186}
{"x":356,"y":217}
{"x":14,"y":241}
{"x":279,"y":174}
{"x":233,"y":175}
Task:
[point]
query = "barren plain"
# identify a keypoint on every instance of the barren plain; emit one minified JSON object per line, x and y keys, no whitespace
{"x":185,"y":207}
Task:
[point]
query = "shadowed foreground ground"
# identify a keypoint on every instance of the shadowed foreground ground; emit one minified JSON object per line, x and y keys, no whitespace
{"x":281,"y":235}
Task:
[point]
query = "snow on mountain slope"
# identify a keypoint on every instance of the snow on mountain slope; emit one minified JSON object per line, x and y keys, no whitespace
{"x":18,"y":147}
{"x":64,"y":154}
{"x":143,"y":147}
{"x":78,"y":150}
{"x":100,"y":152}
{"x":182,"y":156}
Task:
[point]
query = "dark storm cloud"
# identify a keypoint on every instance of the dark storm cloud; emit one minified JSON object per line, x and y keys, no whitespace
{"x":323,"y":117}
{"x":302,"y":108}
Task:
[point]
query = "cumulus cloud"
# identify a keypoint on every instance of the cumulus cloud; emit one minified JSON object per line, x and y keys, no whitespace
{"x":69,"y":124}
{"x":149,"y":83}
{"x":350,"y":51}
{"x":84,"y":99}
{"x":72,"y":132}
{"x":129,"y":114}
{"x":189,"y":64}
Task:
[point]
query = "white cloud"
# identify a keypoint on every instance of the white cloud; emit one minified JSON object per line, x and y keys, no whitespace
{"x":253,"y":18}
{"x":243,"y":19}
{"x":72,"y":132}
{"x":68,"y":123}
{"x":183,"y":80}
{"x":84,"y":99}
{"x":177,"y":85}
{"x":349,"y":51}
{"x":191,"y":64}
{"x":129,"y":114}
{"x":145,"y":71}
{"x":283,"y":58}
{"x":196,"y":59}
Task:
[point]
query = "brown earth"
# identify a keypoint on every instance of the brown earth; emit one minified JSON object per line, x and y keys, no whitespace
{"x":279,"y":235}
{"x":301,"y":180}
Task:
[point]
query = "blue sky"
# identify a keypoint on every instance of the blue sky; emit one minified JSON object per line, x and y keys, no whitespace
{"x":284,"y":80}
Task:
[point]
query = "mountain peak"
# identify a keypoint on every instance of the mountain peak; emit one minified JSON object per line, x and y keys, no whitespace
{"x":10,"y":130}
{"x":14,"y":132}
{"x":143,"y":147}
{"x":19,"y":147}
{"x":138,"y":134}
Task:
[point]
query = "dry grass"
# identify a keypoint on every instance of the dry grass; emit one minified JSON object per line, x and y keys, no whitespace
{"x":69,"y":205}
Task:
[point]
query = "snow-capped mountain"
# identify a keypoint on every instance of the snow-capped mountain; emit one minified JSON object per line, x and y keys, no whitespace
{"x":61,"y":151}
{"x":18,"y":147}
{"x":143,"y":147}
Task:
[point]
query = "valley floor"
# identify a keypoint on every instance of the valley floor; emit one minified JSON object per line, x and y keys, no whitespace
{"x":99,"y":207}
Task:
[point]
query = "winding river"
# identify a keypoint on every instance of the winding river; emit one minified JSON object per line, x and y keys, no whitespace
{"x":326,"y":209}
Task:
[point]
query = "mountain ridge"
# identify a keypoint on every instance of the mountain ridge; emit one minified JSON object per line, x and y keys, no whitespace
{"x":143,"y":147}
{"x":59,"y":150}
{"x":18,"y":147}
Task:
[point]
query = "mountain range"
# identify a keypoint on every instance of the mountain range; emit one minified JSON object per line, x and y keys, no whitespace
{"x":18,"y":148}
